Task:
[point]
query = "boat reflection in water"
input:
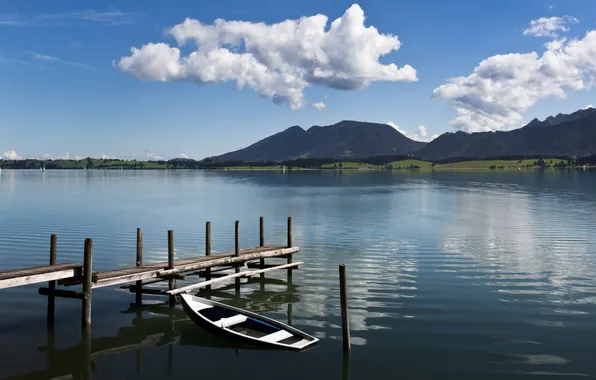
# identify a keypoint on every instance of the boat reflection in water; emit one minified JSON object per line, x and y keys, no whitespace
{"x":154,"y":325}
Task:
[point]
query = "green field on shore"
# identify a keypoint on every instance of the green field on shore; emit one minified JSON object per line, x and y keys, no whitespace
{"x":408,"y":164}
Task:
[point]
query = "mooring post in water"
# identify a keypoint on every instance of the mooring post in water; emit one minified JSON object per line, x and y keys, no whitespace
{"x":262,"y":242}
{"x":52,"y":284}
{"x":208,"y":250}
{"x":172,"y":280}
{"x":345,"y":326}
{"x":139,"y":284}
{"x":237,"y":254}
{"x":87,"y":273}
{"x":290,"y":257}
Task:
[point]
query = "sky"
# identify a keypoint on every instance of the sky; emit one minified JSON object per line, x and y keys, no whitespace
{"x":150,"y":80}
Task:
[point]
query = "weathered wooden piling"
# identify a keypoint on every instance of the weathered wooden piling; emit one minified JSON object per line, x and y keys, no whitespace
{"x":290,"y":257}
{"x":139,"y":284}
{"x":345,"y":327}
{"x":262,"y":241}
{"x":87,"y":278}
{"x":208,"y":249}
{"x":237,"y":254}
{"x":52,"y":284}
{"x":172,"y":280}
{"x":86,"y":352}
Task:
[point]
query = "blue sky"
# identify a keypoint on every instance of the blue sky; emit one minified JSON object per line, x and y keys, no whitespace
{"x":69,"y":82}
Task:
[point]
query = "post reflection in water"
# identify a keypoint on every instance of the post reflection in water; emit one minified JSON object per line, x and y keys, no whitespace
{"x":157,"y":324}
{"x":458,"y":275}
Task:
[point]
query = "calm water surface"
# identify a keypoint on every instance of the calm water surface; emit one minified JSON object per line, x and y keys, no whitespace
{"x":451,"y":275}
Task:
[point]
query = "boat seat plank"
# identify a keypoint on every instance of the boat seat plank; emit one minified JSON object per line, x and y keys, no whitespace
{"x":227,"y":322}
{"x":276,"y":336}
{"x":302,"y":343}
{"x":201,"y":306}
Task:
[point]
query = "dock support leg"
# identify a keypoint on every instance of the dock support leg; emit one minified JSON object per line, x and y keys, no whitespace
{"x":86,"y":341}
{"x":87,"y":272}
{"x":172,"y":281}
{"x":171,"y":353}
{"x":345,"y":325}
{"x":290,"y":257}
{"x":52,"y":284}
{"x":208,"y":250}
{"x":237,"y":253}
{"x":139,"y":284}
{"x":262,"y":242}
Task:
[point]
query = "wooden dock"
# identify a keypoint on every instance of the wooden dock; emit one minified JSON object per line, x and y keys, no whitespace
{"x":208,"y":266}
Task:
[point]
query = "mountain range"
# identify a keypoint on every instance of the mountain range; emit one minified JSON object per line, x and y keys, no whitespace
{"x":561,"y":135}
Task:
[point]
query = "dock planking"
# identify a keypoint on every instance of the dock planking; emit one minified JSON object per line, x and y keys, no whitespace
{"x":102,"y":276}
{"x":45,"y":273}
{"x":71,"y":274}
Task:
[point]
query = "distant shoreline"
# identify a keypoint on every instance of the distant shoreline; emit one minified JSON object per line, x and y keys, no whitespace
{"x":325,"y":165}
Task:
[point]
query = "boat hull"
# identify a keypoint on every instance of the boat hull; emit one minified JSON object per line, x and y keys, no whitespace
{"x":302,"y":342}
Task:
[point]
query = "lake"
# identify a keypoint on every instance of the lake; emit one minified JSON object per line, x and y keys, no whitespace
{"x":468,"y":275}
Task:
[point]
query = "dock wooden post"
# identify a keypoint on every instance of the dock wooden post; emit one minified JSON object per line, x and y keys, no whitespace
{"x":290,"y":246}
{"x":87,"y":278}
{"x":52,"y":284}
{"x":345,"y":326}
{"x":86,"y":342}
{"x":236,"y":254}
{"x":172,"y":280}
{"x":139,"y":284}
{"x":262,"y":241}
{"x":208,"y":250}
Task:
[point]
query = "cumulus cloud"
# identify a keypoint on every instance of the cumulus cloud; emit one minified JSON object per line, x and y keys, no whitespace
{"x":504,"y":86}
{"x":183,"y":155}
{"x":277,"y":61}
{"x":549,"y":26}
{"x":320,"y":106}
{"x":153,"y":156}
{"x":420,"y":135}
{"x":589,"y":106}
{"x":11,"y":155}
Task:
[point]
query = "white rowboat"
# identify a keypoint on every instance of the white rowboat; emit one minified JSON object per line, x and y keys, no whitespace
{"x":244,"y":325}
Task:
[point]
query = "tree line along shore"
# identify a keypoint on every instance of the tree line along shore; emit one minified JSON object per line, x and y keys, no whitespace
{"x":368,"y":164}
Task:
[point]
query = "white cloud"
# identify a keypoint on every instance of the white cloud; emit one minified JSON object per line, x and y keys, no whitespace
{"x":504,"y":86}
{"x":320,"y":106}
{"x":549,"y":26}
{"x":50,"y":58}
{"x":12,"y":60}
{"x":153,"y":156}
{"x":183,"y":155}
{"x":111,"y":18}
{"x":11,"y":155}
{"x":421,"y":135}
{"x":277,"y":61}
{"x":589,"y":106}
{"x":422,"y":131}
